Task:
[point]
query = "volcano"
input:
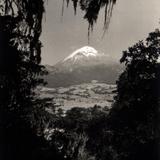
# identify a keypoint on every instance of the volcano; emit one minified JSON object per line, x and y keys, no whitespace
{"x":83,"y":66}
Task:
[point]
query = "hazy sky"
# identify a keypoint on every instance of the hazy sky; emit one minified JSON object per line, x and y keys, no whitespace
{"x":131,"y":21}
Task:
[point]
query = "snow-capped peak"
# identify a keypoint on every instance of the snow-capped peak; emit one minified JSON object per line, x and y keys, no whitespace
{"x":86,"y":51}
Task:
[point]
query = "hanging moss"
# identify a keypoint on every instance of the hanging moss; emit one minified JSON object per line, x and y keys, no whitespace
{"x":91,"y":10}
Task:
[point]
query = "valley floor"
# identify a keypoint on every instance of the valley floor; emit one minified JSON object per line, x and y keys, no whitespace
{"x":83,"y":95}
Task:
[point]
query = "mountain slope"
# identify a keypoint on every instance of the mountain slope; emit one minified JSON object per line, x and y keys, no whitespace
{"x":83,"y":66}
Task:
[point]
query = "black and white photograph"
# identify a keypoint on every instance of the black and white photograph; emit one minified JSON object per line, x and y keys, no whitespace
{"x":79,"y":80}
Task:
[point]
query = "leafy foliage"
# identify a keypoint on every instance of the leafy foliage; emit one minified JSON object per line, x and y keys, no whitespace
{"x":134,"y":117}
{"x":20,"y":28}
{"x":74,"y":136}
{"x":20,"y":57}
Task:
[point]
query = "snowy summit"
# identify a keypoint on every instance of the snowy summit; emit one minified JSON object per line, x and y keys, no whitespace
{"x":82,"y":52}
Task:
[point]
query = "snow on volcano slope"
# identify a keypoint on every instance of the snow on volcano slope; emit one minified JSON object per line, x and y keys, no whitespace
{"x":81,"y":53}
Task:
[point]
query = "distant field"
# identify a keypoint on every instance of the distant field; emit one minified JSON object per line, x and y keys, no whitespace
{"x":83,"y":95}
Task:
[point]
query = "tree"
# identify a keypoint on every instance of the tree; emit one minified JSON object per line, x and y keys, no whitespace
{"x":134,"y":117}
{"x":20,"y":28}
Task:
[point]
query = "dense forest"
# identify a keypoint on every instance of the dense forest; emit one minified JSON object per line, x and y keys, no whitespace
{"x":127,"y":131}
